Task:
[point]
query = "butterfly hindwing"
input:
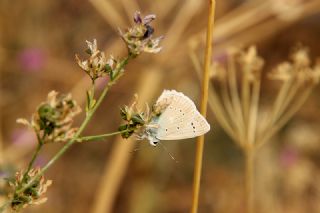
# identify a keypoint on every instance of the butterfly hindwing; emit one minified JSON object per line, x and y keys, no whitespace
{"x":180,"y":119}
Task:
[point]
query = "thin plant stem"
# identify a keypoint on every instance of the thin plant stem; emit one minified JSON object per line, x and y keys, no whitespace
{"x":227,"y":103}
{"x":245,"y":99}
{"x":203,"y":107}
{"x":214,"y":101}
{"x":249,"y":179}
{"x":5,"y":206}
{"x":280,"y":99}
{"x":235,"y":99}
{"x":78,"y":133}
{"x":99,"y":137}
{"x":35,"y":154}
{"x":288,"y":98}
{"x":252,"y":125}
{"x":286,"y":117}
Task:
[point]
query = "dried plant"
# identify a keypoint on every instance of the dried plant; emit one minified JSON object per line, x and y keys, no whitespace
{"x":236,"y":105}
{"x":53,"y":119}
{"x":203,"y":106}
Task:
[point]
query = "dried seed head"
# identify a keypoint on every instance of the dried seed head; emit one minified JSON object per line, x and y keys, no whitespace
{"x":251,"y":63}
{"x":218,"y":71}
{"x":139,"y":37}
{"x":54,"y":118}
{"x":137,"y":119}
{"x":299,"y":69}
{"x":281,"y":72}
{"x":33,"y":195}
{"x":97,"y":65}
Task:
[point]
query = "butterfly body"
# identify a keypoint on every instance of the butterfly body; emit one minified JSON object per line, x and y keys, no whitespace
{"x":178,"y":120}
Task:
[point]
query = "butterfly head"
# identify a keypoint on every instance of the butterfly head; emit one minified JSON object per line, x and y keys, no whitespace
{"x":153,"y":141}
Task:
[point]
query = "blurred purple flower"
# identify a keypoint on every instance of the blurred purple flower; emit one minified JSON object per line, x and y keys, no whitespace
{"x":101,"y":83}
{"x":220,"y":58}
{"x":32,"y":59}
{"x":4,"y":174}
{"x":40,"y":161}
{"x":23,"y":137}
{"x":288,"y":157}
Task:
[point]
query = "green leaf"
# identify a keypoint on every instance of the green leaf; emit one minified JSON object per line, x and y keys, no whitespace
{"x":108,"y":68}
{"x":137,"y":119}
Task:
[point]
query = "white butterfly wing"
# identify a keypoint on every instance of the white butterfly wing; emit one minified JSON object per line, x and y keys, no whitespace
{"x":180,"y":119}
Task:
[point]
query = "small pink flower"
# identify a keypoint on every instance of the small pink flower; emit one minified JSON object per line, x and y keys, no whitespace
{"x":288,"y":157}
{"x":32,"y":59}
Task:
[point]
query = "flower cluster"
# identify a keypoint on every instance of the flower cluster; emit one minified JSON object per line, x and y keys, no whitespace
{"x":140,"y":121}
{"x":247,"y":61}
{"x":298,"y":69}
{"x":32,"y":195}
{"x":97,"y":65}
{"x":139,"y":38}
{"x":53,"y":119}
{"x":251,"y":63}
{"x":135,"y":119}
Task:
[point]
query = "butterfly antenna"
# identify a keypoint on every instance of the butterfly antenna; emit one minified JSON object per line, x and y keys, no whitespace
{"x":171,"y":156}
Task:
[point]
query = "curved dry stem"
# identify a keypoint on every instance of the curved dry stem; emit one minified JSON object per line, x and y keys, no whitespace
{"x":235,"y":100}
{"x":117,"y":163}
{"x":214,"y":101}
{"x":253,"y":112}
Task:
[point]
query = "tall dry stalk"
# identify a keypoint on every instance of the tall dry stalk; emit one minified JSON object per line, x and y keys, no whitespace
{"x":203,"y":107}
{"x":118,"y":161}
{"x":236,"y":106}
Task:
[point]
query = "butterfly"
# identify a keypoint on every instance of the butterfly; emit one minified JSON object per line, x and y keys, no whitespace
{"x":179,"y":119}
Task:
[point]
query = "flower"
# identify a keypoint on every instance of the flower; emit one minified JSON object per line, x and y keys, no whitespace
{"x":53,"y":119}
{"x":251,"y":63}
{"x":134,"y":117}
{"x":32,"y":59}
{"x":140,"y":121}
{"x":33,"y":195}
{"x":299,"y":69}
{"x":97,"y":65}
{"x":139,"y":38}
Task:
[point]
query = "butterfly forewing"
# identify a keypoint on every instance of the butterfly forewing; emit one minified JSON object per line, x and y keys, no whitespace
{"x":180,"y":119}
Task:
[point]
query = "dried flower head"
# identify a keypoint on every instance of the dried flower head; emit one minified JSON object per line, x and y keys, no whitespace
{"x":218,"y":71}
{"x":97,"y":65}
{"x":299,"y":69}
{"x":251,"y":63}
{"x":134,"y":117}
{"x":33,"y":195}
{"x":139,"y":37}
{"x":53,"y":119}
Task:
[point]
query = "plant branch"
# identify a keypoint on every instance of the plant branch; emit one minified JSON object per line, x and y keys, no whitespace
{"x":80,"y":130}
{"x":286,"y":117}
{"x":249,"y":181}
{"x":99,"y":137}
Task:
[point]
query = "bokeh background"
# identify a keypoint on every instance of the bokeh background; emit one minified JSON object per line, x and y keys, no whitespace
{"x":38,"y":41}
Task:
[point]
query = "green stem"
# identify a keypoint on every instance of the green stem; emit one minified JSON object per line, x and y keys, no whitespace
{"x":35,"y":154}
{"x":34,"y":157}
{"x":4,"y":206}
{"x":99,"y":137}
{"x":80,"y":130}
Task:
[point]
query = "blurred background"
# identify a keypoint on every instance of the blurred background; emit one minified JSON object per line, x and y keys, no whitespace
{"x":38,"y":41}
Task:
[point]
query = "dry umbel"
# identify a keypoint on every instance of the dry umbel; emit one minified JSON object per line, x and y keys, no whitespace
{"x":236,"y":104}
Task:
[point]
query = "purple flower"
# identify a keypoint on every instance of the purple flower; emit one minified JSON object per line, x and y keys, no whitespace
{"x":32,"y":59}
{"x":288,"y":157}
